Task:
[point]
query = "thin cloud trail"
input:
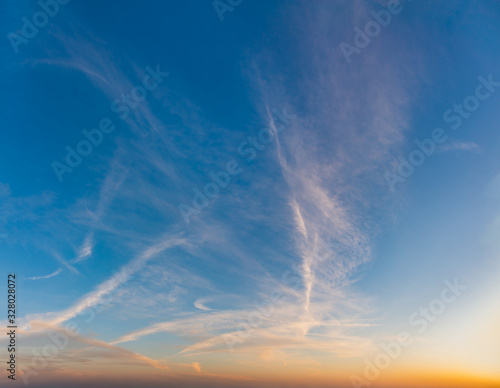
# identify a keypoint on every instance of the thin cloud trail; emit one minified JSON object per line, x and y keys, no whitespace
{"x":55,"y":273}
{"x":93,"y":298}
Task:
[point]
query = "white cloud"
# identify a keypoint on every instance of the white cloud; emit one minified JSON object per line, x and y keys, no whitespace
{"x":200,"y":304}
{"x":106,"y":288}
{"x":85,"y":250}
{"x":459,"y":146}
{"x":55,"y":273}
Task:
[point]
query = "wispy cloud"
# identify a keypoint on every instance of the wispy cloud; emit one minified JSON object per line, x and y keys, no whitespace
{"x":94,"y":348}
{"x":85,"y":250}
{"x":64,"y":262}
{"x":459,"y":146}
{"x":94,"y":297}
{"x":200,"y":304}
{"x":286,"y":329}
{"x":197,"y":367}
{"x":55,"y":273}
{"x":323,"y":193}
{"x":326,"y":190}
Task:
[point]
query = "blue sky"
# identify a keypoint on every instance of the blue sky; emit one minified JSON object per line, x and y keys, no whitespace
{"x":112,"y":228}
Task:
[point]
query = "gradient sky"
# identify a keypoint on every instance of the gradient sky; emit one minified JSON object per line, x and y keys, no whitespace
{"x":158,"y":301}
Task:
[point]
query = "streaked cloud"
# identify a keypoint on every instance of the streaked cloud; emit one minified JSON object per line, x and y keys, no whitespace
{"x":200,"y":304}
{"x":459,"y":146}
{"x":55,"y":273}
{"x":85,"y":250}
{"x":94,"y":297}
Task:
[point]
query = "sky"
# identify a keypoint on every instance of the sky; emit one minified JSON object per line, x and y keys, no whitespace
{"x":251,"y":193}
